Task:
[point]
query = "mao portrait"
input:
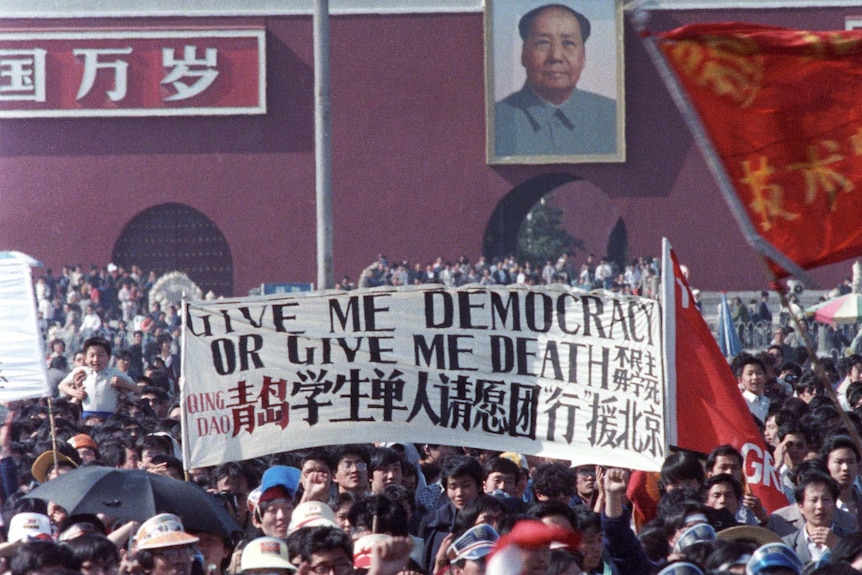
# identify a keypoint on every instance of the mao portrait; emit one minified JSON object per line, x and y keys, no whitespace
{"x":554,"y":81}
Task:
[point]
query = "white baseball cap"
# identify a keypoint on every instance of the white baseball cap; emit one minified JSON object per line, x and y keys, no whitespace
{"x":265,"y":553}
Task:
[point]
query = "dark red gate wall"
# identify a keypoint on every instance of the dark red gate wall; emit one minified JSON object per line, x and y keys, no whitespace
{"x":409,"y":171}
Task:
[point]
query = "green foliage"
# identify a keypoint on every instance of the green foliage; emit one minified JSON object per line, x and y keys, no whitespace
{"x":542,"y":236}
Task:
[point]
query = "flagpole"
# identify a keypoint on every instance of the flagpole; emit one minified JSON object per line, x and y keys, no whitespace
{"x":713,"y":161}
{"x":53,"y":429}
{"x":668,"y":289}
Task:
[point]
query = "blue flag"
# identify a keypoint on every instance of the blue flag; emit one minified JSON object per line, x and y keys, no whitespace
{"x":728,"y":337}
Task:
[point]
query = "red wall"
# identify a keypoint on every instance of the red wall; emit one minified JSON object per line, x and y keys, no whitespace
{"x":409,"y":172}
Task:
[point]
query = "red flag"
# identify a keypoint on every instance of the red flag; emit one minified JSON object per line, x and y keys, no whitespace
{"x":782,"y":111}
{"x":710,"y":409}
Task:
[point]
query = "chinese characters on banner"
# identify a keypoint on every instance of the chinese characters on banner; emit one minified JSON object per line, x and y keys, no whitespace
{"x":540,"y":370}
{"x":132,"y":73}
{"x":782,"y":110}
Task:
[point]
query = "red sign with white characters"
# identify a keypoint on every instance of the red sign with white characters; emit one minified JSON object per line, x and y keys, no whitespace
{"x":133,"y":73}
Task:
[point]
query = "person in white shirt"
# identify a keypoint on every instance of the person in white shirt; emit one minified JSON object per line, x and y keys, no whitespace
{"x":91,"y":323}
{"x":95,"y":385}
{"x":752,"y":380}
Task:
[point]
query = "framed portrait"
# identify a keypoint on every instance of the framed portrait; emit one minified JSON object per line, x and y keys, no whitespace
{"x":554,"y":81}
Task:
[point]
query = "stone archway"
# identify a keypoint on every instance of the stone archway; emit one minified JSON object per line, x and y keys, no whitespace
{"x":590,"y":216}
{"x":177,"y":237}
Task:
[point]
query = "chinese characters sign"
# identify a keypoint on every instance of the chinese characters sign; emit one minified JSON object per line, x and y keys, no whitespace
{"x":783,"y":113}
{"x":542,"y":370}
{"x":132,"y":73}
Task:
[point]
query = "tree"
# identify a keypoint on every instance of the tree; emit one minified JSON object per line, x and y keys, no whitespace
{"x":542,"y":236}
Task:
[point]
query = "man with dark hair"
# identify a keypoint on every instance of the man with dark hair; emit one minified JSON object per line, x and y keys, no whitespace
{"x":680,"y":469}
{"x":751,"y":375}
{"x":762,"y":313}
{"x":171,"y":360}
{"x":722,"y":491}
{"x":793,"y":446}
{"x":122,"y":359}
{"x":386,"y":467}
{"x":324,"y":550}
{"x":590,"y":527}
{"x":136,"y":351}
{"x":809,"y":386}
{"x":549,"y":115}
{"x":119,"y":453}
{"x":585,"y":486}
{"x":167,"y":465}
{"x":43,"y":557}
{"x":816,"y":495}
{"x":351,"y":471}
{"x":462,"y":479}
{"x":390,"y":517}
{"x":501,"y":475}
{"x":316,"y":479}
{"x":553,"y":481}
{"x":235,"y":479}
{"x":157,"y":399}
{"x":555,"y":513}
{"x":841,"y":457}
{"x":725,"y":459}
{"x":154,"y":444}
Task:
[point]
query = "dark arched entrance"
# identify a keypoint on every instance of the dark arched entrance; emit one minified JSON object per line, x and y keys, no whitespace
{"x":176,"y":237}
{"x":591,"y":217}
{"x":501,"y":234}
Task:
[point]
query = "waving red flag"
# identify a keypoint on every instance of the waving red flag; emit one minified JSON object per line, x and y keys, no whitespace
{"x":709,"y":408}
{"x":780,"y":111}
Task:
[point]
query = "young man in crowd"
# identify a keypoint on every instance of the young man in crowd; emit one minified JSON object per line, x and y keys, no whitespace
{"x":751,"y":376}
{"x":386,"y":467}
{"x":275,"y":505}
{"x":841,"y":457}
{"x":501,"y":475}
{"x":725,"y":459}
{"x":316,"y":478}
{"x":462,"y":479}
{"x":815,"y":495}
{"x":351,"y":471}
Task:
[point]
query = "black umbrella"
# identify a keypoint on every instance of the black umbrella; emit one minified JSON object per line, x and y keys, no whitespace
{"x":137,"y":495}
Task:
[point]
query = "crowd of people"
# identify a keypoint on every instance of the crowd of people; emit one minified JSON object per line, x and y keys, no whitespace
{"x":399,"y":508}
{"x":640,"y":277}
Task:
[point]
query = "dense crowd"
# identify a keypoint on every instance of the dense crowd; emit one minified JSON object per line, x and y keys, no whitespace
{"x":388,"y":508}
{"x":640,"y":277}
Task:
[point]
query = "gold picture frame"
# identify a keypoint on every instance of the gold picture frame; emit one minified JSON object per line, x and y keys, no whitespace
{"x":586,"y":121}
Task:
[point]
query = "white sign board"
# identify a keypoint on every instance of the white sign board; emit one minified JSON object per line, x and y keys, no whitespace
{"x":23,"y":372}
{"x":547,"y":371}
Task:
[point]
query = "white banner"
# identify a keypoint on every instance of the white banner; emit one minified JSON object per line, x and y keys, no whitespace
{"x":547,"y":371}
{"x":22,"y":365}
